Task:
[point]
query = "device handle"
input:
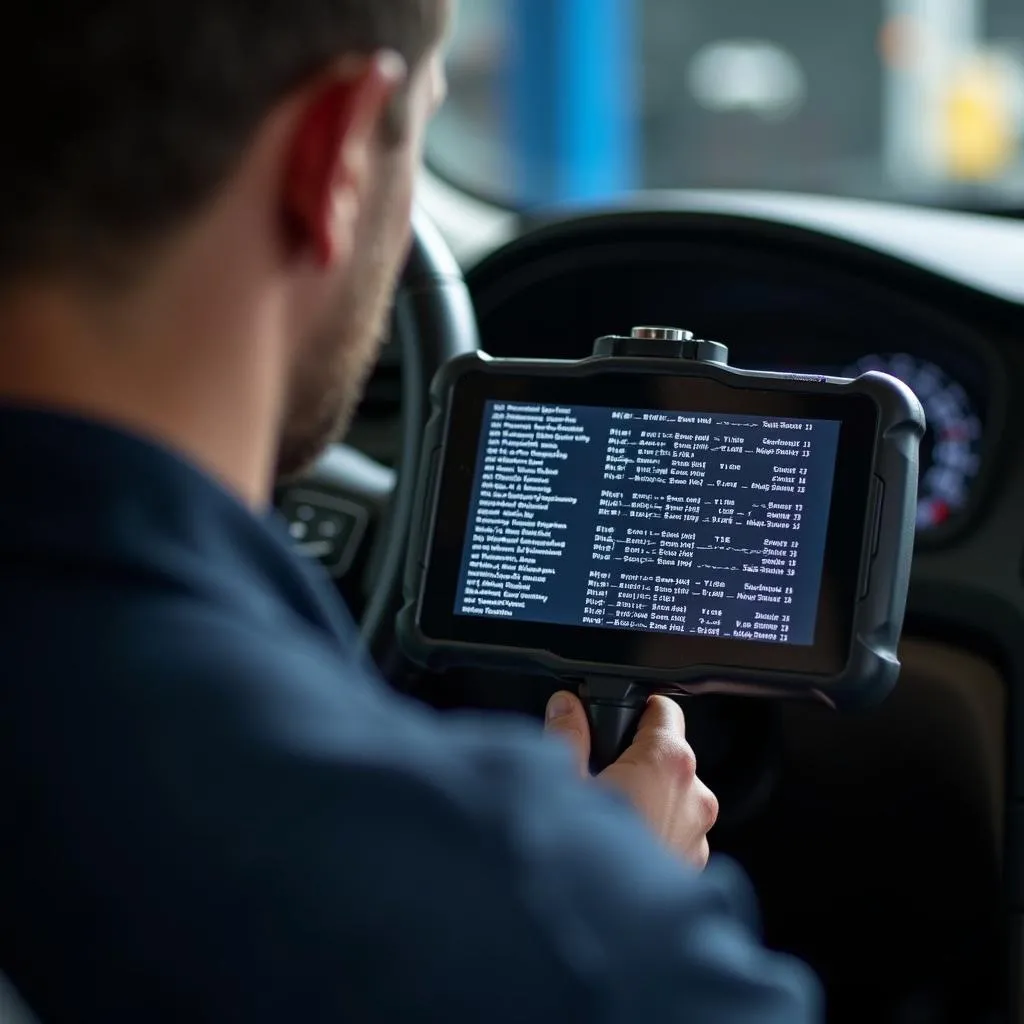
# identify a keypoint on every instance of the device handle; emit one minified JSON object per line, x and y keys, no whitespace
{"x":614,"y":710}
{"x":612,"y":729}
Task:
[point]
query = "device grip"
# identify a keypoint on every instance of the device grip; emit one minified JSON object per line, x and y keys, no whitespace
{"x":613,"y":726}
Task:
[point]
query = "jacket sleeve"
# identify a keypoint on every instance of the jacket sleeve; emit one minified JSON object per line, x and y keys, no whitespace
{"x":286,"y":844}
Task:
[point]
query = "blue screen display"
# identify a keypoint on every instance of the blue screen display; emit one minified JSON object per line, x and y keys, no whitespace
{"x":667,"y":522}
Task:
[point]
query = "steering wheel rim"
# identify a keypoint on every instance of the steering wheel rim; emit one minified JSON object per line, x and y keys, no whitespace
{"x":433,"y":320}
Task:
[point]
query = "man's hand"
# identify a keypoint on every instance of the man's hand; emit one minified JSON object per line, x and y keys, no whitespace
{"x":658,"y":772}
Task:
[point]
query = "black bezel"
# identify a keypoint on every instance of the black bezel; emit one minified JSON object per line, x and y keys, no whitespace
{"x":847,"y":535}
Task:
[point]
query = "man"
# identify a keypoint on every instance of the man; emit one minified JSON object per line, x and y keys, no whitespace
{"x":211,"y":811}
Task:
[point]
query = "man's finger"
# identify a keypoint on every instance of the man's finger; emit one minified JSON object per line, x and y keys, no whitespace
{"x":566,"y":717}
{"x":663,"y":715}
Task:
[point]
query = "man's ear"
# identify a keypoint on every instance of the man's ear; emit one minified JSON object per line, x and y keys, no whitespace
{"x":331,"y":158}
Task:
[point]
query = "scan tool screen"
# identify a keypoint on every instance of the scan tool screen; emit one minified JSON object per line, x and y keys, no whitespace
{"x":647,"y":521}
{"x":679,"y":522}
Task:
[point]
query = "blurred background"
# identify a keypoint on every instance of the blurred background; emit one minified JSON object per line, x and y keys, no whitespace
{"x":563,"y":101}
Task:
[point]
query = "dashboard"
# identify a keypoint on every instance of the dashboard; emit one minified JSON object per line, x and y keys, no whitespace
{"x":782,"y":298}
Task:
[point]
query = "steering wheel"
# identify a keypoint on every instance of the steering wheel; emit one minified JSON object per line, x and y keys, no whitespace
{"x":355,"y":514}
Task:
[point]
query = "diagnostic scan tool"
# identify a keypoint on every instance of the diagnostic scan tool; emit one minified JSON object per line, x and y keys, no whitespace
{"x":652,"y":520}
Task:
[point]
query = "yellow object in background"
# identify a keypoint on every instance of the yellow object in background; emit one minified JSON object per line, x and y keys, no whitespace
{"x":980,"y":128}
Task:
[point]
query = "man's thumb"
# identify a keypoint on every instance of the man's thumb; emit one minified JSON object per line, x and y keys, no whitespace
{"x":566,"y":717}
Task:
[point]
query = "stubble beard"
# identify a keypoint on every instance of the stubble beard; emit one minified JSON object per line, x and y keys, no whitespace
{"x":331,"y":376}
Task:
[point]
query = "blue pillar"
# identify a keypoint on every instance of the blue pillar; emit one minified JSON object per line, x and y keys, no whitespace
{"x":572,"y":102}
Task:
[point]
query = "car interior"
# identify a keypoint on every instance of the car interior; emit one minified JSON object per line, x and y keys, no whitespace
{"x":886,"y":846}
{"x":881,"y":843}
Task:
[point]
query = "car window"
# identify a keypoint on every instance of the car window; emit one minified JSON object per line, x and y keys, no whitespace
{"x":564,"y":100}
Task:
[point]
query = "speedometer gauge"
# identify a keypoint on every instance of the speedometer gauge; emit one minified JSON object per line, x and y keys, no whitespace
{"x":951,"y":449}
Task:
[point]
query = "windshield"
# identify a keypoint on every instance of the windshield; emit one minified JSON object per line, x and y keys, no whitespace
{"x":557,"y":101}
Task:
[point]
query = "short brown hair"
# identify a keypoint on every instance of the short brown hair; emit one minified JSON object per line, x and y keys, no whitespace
{"x":120,"y":118}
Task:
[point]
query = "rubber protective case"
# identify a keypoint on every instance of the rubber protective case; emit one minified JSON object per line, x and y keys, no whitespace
{"x":872,"y":667}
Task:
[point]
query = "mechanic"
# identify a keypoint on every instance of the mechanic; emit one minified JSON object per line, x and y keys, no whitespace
{"x":212,"y":809}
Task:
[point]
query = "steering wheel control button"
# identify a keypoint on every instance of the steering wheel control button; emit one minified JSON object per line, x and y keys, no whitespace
{"x":326,"y":528}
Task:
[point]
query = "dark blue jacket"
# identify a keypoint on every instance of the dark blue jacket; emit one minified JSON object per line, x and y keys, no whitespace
{"x":212,"y":811}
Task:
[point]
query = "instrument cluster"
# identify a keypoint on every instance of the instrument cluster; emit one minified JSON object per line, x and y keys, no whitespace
{"x":951,"y":453}
{"x":953,"y":447}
